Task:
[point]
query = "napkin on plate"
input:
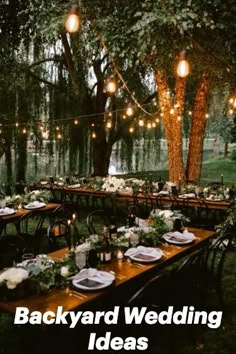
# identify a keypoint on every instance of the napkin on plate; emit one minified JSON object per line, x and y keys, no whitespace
{"x":78,"y":185}
{"x":188,"y":195}
{"x":6,"y":210}
{"x":35,"y":204}
{"x":92,"y":273}
{"x":180,"y":237}
{"x":161,"y":193}
{"x":154,"y":252}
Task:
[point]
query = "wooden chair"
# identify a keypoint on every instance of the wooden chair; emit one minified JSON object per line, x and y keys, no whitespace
{"x":96,"y":220}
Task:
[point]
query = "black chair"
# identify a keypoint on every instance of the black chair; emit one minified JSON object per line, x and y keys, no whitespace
{"x":214,"y":264}
{"x":96,"y":220}
{"x":57,"y":230}
{"x":143,"y":203}
{"x":11,"y":249}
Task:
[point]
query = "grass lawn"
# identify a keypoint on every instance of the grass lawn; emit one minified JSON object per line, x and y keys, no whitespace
{"x":211,"y":172}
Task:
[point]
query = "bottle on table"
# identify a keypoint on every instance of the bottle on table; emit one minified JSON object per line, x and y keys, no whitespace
{"x":113,"y":229}
{"x":105,"y":252}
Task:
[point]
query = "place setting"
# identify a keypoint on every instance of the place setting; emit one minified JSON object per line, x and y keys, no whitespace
{"x":35,"y":205}
{"x":7,"y":211}
{"x":179,"y":238}
{"x":91,"y":279}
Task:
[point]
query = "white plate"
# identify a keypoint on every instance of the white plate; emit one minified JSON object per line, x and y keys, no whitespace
{"x":175,"y":240}
{"x":78,"y":185}
{"x":214,"y":200}
{"x":35,"y":206}
{"x":44,"y":182}
{"x":146,"y":257}
{"x":93,"y":283}
{"x":7,"y":212}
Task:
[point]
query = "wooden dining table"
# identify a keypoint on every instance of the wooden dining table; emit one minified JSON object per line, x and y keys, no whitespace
{"x":123,"y":270}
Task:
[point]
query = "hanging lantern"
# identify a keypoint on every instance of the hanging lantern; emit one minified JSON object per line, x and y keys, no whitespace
{"x":129,"y":110}
{"x":72,"y":21}
{"x":183,"y":65}
{"x":111,"y":86}
{"x":141,"y":122}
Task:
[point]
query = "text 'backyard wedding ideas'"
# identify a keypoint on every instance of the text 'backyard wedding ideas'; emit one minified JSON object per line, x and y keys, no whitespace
{"x":130,"y":316}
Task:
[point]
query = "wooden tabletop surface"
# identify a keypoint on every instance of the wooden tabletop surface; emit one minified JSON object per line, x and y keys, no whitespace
{"x":22,"y":211}
{"x":124,"y":271}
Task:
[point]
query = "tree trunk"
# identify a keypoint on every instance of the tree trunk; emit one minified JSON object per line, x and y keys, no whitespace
{"x":101,"y":154}
{"x":194,"y":163}
{"x":172,"y":114}
{"x":226,"y":149}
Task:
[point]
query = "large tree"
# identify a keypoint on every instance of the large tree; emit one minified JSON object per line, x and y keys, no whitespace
{"x":154,"y":33}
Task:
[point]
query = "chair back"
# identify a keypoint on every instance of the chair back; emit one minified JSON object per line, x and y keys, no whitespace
{"x":143,"y":203}
{"x":97,"y":219}
{"x":59,"y":229}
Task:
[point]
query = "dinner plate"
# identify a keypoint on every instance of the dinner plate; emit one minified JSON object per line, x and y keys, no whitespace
{"x":143,"y":256}
{"x":34,"y":206}
{"x":44,"y":182}
{"x":100,"y":281}
{"x":178,"y":240}
{"x":78,"y":185}
{"x":214,"y":200}
{"x":7,"y":211}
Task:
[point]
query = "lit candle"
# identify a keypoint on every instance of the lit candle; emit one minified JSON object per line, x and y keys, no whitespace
{"x":120,"y":255}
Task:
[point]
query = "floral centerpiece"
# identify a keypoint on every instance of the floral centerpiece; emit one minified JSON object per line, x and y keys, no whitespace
{"x":113,"y":184}
{"x":13,"y":201}
{"x":36,"y":276}
{"x":39,"y":195}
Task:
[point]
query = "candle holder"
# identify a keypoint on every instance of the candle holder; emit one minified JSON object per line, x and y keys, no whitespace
{"x":120,"y":255}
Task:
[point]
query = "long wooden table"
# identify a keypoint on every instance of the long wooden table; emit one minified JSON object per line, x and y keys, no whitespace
{"x":125,"y":197}
{"x":124,"y":271}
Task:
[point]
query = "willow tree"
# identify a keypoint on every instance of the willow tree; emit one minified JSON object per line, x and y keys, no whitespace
{"x":154,"y":33}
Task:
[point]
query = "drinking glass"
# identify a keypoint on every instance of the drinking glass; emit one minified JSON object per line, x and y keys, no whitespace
{"x":80,"y":259}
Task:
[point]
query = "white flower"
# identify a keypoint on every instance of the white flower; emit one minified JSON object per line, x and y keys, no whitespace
{"x":13,"y":277}
{"x":65,"y":271}
{"x":166,"y":214}
{"x":84,"y":247}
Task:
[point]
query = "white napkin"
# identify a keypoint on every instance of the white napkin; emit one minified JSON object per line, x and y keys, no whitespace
{"x":188,"y":195}
{"x":6,"y":211}
{"x":78,"y":185}
{"x":176,"y":235}
{"x":166,"y":213}
{"x":94,"y":274}
{"x":155,"y":252}
{"x":35,"y":204}
{"x":161,"y":193}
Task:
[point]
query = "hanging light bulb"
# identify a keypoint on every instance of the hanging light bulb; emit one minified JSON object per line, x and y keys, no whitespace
{"x":131,"y":129}
{"x":110,"y":114}
{"x":157,"y":120}
{"x":59,"y":136}
{"x":183,"y":65}
{"x":179,"y":118}
{"x":72,"y":21}
{"x":154,"y":124}
{"x":111,"y":86}
{"x":124,"y":116}
{"x":129,"y":110}
{"x":231,"y":100}
{"x":17,"y":124}
{"x":207,"y":115}
{"x":172,"y":111}
{"x":189,"y":113}
{"x":109,"y":124}
{"x":57,"y":128}
{"x":94,"y":135}
{"x":76,"y":121}
{"x":141,"y":122}
{"x":24,"y":131}
{"x":149,"y":125}
{"x":231,"y":111}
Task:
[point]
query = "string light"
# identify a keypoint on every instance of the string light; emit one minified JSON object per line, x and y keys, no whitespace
{"x":92,"y":125}
{"x":157,"y":120}
{"x":231,"y":111}
{"x":189,"y":113}
{"x":124,"y":116}
{"x":111,"y":86}
{"x":141,"y":122}
{"x":183,"y":65}
{"x":109,"y":124}
{"x":154,"y":124}
{"x":131,"y":129}
{"x":72,"y":21}
{"x":76,"y":121}
{"x":149,"y":125}
{"x":57,"y":128}
{"x":24,"y":131}
{"x":172,"y":111}
{"x":129,"y":110}
{"x":109,"y":114}
{"x":207,"y":115}
{"x":17,"y":124}
{"x":59,"y":136}
{"x":179,"y":118}
{"x":94,"y":135}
